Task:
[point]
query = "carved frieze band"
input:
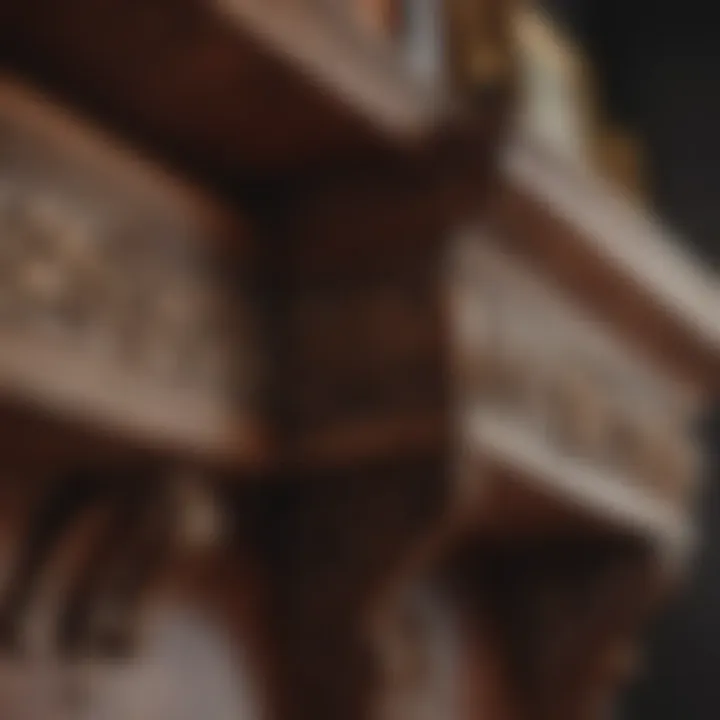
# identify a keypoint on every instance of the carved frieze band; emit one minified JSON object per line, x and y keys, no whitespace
{"x":112,"y":272}
{"x":526,"y":356}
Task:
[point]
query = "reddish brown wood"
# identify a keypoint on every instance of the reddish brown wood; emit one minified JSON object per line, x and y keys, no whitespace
{"x":152,"y":273}
{"x":669,"y":320}
{"x":346,"y":93}
{"x":348,"y":178}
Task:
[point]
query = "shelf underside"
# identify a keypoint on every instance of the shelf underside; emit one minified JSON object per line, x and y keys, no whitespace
{"x":72,"y":397}
{"x":229,"y":88}
{"x":523,"y":486}
{"x":529,"y":489}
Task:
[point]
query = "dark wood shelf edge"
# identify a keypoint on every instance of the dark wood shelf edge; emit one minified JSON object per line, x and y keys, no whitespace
{"x":524,"y":487}
{"x":348,"y":94}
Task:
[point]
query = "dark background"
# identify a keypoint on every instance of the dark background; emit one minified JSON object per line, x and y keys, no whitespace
{"x":659,"y":65}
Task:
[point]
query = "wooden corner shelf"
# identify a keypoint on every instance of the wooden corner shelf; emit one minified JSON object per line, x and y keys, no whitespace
{"x":230,"y":87}
{"x":156,"y":340}
{"x":565,"y":280}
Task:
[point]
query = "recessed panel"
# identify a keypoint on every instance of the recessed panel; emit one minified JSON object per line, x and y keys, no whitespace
{"x":120,"y":298}
{"x":557,"y":384}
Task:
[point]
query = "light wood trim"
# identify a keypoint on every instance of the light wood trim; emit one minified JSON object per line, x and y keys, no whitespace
{"x":595,"y":495}
{"x":361,"y":72}
{"x":612,"y":257}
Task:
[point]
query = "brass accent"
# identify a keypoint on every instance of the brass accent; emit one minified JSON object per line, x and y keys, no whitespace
{"x":479,"y":48}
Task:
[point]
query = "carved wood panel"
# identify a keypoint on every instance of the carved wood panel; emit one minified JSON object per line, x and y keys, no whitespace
{"x":528,"y":359}
{"x":121,"y":292}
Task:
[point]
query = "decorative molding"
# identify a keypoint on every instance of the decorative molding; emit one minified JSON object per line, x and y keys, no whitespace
{"x":529,"y":361}
{"x":121,"y":297}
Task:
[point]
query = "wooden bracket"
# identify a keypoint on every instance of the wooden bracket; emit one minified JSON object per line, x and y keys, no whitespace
{"x":568,"y":613}
{"x":108,"y":533}
{"x":353,"y":546}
